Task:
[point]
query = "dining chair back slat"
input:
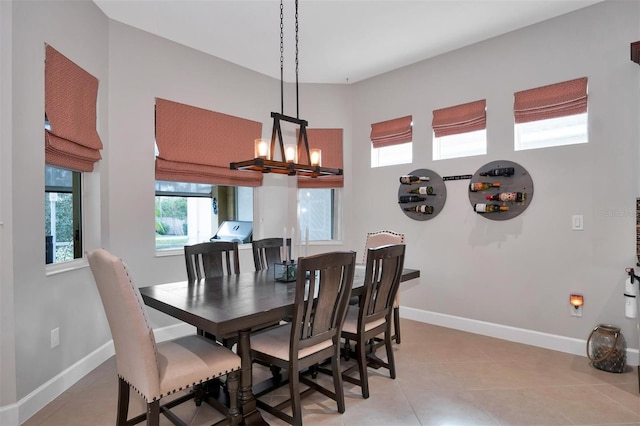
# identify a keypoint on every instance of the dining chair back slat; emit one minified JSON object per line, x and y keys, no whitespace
{"x":268,"y":251}
{"x":211,"y":259}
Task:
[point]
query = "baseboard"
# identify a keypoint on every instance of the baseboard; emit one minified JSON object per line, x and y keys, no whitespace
{"x":513,"y":334}
{"x":20,"y":412}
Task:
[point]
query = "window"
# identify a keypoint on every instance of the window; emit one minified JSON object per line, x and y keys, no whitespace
{"x":391,"y":142}
{"x":460,"y":145}
{"x":552,"y":115}
{"x":318,"y":213}
{"x":393,"y":154}
{"x":63,"y":214}
{"x":569,"y":130}
{"x":190,"y":213}
{"x":460,"y":131}
{"x":72,"y":147}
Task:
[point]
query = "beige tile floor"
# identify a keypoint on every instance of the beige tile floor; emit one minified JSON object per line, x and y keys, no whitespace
{"x":445,"y":377}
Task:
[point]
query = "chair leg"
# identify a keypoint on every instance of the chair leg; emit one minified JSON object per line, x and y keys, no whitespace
{"x":337,"y":382}
{"x":396,"y":323}
{"x":361,"y":357}
{"x":123,"y":402}
{"x":233,"y":382}
{"x":153,"y":413}
{"x":391,"y":364}
{"x":294,"y":389}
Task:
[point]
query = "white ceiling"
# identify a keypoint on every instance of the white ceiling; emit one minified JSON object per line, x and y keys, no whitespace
{"x":340,"y":41}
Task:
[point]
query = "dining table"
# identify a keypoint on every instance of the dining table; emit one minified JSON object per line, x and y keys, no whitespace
{"x":238,"y":304}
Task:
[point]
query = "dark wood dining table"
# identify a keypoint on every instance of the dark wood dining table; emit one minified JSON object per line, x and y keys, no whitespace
{"x":236,"y":304}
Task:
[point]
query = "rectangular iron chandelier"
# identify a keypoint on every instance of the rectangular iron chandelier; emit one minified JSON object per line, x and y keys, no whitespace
{"x":263,"y":161}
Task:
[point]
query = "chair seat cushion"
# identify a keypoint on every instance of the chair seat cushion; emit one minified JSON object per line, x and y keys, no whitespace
{"x":275,"y":342}
{"x":190,"y":360}
{"x":351,"y":321}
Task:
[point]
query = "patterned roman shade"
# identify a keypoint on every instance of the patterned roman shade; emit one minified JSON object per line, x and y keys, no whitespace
{"x":197,"y":145}
{"x":552,"y":101}
{"x":70,"y":95}
{"x":458,"y":119}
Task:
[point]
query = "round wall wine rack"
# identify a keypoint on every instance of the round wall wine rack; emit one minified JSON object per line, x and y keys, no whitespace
{"x":507,"y":189}
{"x":422,"y":199}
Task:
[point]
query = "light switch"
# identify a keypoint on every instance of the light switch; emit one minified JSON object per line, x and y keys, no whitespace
{"x":577,"y":222}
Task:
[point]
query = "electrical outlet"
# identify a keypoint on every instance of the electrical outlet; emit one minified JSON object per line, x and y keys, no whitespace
{"x":55,"y":337}
{"x":576,"y":311}
{"x":577,"y":222}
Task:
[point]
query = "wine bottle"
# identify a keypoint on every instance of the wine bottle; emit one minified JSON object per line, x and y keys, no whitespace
{"x":508,"y":196}
{"x":501,"y":171}
{"x":410,"y":179}
{"x":483,"y":186}
{"x":489,"y":208}
{"x":421,"y":208}
{"x":410,"y":199}
{"x":422,"y":190}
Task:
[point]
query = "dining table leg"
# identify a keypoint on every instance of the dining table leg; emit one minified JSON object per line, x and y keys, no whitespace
{"x":250,"y":413}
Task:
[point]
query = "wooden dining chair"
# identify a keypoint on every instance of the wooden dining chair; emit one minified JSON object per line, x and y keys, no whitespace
{"x":372,"y":317}
{"x":156,"y":370}
{"x":211,"y":259}
{"x":323,"y":286}
{"x":268,"y":251}
{"x":377,"y":239}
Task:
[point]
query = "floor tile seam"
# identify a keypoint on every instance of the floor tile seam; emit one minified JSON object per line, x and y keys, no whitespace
{"x":620,"y":405}
{"x":480,"y":407}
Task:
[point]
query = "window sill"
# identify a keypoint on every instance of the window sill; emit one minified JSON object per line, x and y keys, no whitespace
{"x":72,"y":265}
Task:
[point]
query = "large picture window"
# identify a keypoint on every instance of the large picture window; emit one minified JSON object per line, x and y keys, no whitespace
{"x":318,"y":213}
{"x":190,"y":213}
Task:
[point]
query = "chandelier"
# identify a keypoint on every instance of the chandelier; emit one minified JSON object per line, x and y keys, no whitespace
{"x":311,"y":162}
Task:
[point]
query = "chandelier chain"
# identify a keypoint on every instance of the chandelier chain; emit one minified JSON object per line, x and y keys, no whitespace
{"x":297,"y":102}
{"x":281,"y":57}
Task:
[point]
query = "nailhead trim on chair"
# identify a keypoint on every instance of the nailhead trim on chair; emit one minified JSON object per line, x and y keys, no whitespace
{"x":179,"y":389}
{"x":155,"y":350}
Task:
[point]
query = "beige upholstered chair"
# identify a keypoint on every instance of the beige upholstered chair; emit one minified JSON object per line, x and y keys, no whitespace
{"x":156,"y":370}
{"x":211,"y":259}
{"x":313,"y":335}
{"x":373,"y":316}
{"x":268,"y":251}
{"x":381,"y":238}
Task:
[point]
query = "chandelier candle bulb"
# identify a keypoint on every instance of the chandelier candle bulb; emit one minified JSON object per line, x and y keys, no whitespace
{"x":262,"y":148}
{"x":483,"y":186}
{"x":290,"y":153}
{"x":316,"y":157}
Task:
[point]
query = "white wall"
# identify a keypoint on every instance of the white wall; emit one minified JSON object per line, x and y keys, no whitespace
{"x":519,"y":272}
{"x":516,"y":273}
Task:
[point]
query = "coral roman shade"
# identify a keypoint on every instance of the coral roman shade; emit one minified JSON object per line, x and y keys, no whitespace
{"x":553,"y":101}
{"x":330,"y":142}
{"x":458,"y":119}
{"x":70,"y":95}
{"x":391,"y":132}
{"x":197,"y":145}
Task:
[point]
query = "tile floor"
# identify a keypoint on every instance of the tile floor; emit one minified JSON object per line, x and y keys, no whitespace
{"x":445,"y":377}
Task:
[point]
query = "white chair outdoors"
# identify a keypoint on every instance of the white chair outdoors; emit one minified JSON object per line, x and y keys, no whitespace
{"x":156,"y":370}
